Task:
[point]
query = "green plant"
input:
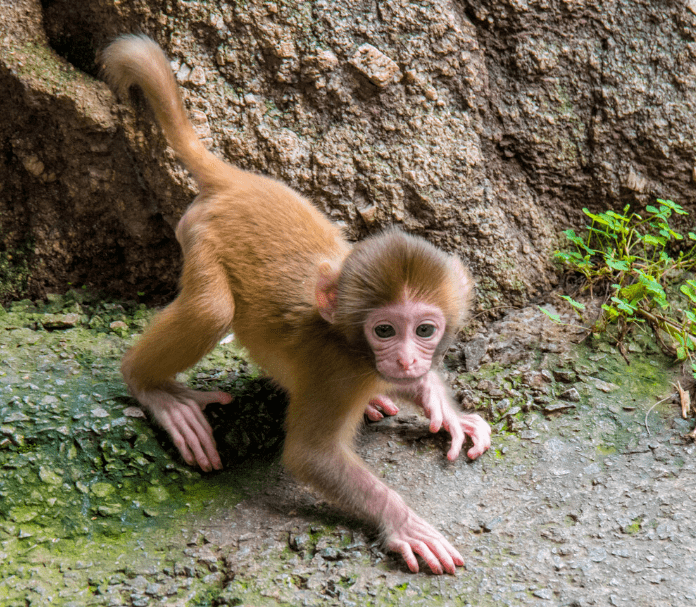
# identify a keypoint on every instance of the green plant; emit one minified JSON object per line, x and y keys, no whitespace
{"x":632,"y":255}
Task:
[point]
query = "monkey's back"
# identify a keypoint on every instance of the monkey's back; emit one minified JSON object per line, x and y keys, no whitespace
{"x":269,"y":240}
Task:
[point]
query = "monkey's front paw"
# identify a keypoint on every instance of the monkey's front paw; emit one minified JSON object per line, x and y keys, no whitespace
{"x":459,"y":426}
{"x":419,"y":537}
{"x":179,"y":411}
{"x":379,"y":406}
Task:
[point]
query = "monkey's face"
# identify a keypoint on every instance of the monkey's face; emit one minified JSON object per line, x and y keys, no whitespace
{"x":403,"y":337}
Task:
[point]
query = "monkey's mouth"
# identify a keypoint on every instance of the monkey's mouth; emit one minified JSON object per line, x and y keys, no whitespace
{"x":403,"y":381}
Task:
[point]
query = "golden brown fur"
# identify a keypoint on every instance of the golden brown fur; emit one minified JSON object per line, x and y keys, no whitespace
{"x":254,"y":251}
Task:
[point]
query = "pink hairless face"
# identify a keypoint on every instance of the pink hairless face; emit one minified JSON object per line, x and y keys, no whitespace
{"x":403,"y":337}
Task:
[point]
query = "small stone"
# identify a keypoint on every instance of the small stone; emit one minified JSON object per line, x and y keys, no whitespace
{"x":604,"y":386}
{"x":492,"y":524}
{"x":533,"y":379}
{"x":330,"y":554}
{"x":565,"y":375}
{"x":571,"y":395}
{"x":133,"y":412}
{"x":110,"y":509}
{"x":33,"y":165}
{"x":102,"y":489}
{"x":157,"y":493}
{"x":49,"y":477}
{"x":154,"y":589}
{"x":543,"y":593}
{"x":54,"y":322}
{"x":299,"y":542}
{"x":100,"y":412}
{"x":375,"y":65}
{"x":326,"y":60}
{"x":555,"y":407}
{"x":474,"y":350}
{"x":197,"y":76}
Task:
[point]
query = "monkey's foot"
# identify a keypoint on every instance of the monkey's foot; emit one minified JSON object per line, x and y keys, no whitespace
{"x":379,"y":406}
{"x":418,"y":537}
{"x":179,"y":410}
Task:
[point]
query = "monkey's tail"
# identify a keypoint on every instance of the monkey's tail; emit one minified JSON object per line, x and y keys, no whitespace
{"x":137,"y":59}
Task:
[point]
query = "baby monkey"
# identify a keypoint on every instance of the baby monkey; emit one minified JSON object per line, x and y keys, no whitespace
{"x":341,"y":328}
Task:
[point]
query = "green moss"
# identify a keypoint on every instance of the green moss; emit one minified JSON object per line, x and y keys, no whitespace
{"x":79,"y":475}
{"x":15,"y":272}
{"x":634,"y":527}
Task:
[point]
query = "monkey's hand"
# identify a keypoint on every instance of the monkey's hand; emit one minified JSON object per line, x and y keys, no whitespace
{"x":179,"y":410}
{"x":379,"y":406}
{"x":434,"y":397}
{"x":417,"y":536}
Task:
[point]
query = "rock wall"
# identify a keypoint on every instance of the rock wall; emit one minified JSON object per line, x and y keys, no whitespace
{"x":485,"y":126}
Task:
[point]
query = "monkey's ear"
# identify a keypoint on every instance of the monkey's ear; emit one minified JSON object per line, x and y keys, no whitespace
{"x":326,"y":290}
{"x":466,"y":282}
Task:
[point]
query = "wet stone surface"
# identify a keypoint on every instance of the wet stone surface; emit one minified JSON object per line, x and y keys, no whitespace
{"x":581,"y":501}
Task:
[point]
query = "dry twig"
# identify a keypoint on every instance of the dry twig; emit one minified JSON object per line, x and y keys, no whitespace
{"x":684,"y":399}
{"x":655,"y":405}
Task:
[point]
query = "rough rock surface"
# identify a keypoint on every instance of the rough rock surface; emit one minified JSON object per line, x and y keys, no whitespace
{"x":485,"y":126}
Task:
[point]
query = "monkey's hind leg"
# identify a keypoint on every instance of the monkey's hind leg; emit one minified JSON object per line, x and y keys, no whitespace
{"x":180,"y":335}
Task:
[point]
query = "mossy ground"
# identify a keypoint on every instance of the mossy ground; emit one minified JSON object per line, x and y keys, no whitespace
{"x":96,"y":507}
{"x":88,"y":489}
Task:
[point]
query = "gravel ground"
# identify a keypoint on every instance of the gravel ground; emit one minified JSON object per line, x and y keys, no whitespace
{"x":585,"y":497}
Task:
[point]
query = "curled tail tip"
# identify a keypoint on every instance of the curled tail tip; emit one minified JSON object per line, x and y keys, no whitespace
{"x":121,"y":59}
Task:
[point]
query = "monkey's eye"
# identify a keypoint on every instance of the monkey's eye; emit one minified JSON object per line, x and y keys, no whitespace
{"x":425,"y":330}
{"x":384,"y":331}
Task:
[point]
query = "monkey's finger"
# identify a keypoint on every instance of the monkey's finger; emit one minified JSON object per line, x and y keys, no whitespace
{"x":457,"y":435}
{"x":480,"y":433}
{"x":373,"y":413}
{"x":435,"y":415}
{"x":204,"y":434}
{"x":434,"y":562}
{"x":386,"y":404}
{"x":192,"y":425}
{"x":441,"y":550}
{"x":457,"y":559}
{"x":380,"y":406}
{"x":405,"y":551}
{"x":180,"y":443}
{"x":194,"y":445}
{"x":203,"y":399}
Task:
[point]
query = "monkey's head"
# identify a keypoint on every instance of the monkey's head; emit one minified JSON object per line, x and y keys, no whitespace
{"x":398,"y":300}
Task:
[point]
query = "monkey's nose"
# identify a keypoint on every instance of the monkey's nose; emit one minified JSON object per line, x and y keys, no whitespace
{"x":405,"y":364}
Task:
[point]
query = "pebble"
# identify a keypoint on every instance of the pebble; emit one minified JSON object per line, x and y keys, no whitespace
{"x":375,"y":65}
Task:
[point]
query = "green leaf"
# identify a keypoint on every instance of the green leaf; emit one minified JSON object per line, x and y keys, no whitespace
{"x":651,"y":209}
{"x":633,"y":293}
{"x":554,"y":317}
{"x":681,"y":353}
{"x":618,"y":265}
{"x":576,"y":304}
{"x":617,"y":216}
{"x":692,"y":236}
{"x":689,"y":291}
{"x":611,"y":312}
{"x":677,"y":208}
{"x":624,"y":306}
{"x":597,"y":218}
{"x":655,"y":241}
